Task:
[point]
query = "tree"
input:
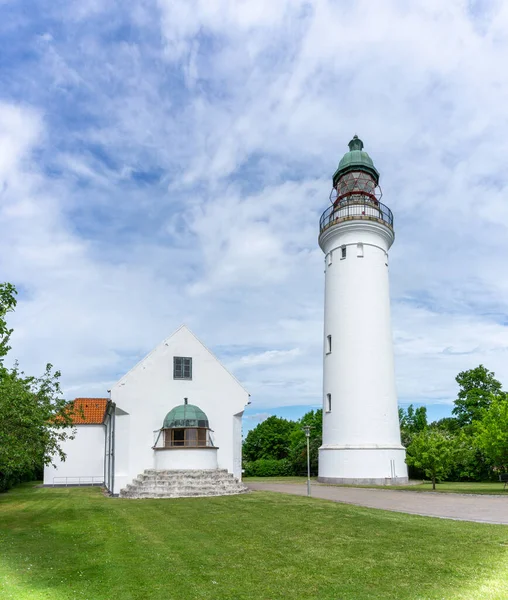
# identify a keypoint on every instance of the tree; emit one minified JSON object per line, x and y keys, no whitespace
{"x":476,"y":388}
{"x":298,"y":449}
{"x":431,"y":451}
{"x":7,"y":304}
{"x":470,"y":463}
{"x":412,"y":421}
{"x":491,"y":432}
{"x":34,"y":419}
{"x":269,"y":439}
{"x":447,"y":425}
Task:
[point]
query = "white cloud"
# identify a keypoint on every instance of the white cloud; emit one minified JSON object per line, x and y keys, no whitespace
{"x":269,"y":357}
{"x":258,"y":417}
{"x":169,"y":164}
{"x":20,"y":130}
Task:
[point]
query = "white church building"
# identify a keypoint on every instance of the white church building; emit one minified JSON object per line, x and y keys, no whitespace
{"x":174,"y":418}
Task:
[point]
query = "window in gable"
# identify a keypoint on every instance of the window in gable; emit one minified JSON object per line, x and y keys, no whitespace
{"x":182,"y":367}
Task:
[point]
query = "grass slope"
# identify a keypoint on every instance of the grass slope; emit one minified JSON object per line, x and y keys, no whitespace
{"x":62,"y":543}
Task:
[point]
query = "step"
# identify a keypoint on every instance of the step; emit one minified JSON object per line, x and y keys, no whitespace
{"x":179,"y":480}
{"x":192,"y":472}
{"x":185,"y":480}
{"x":192,"y":479}
{"x":179,"y":493}
{"x":194,"y":485}
{"x":194,"y":494}
{"x":153,"y":483}
{"x":185,"y":488}
{"x":214,"y":476}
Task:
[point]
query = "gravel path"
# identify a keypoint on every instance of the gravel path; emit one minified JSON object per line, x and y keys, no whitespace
{"x":463,"y":507}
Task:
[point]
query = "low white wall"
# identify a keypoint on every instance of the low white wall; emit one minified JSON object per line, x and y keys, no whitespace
{"x":85,"y":457}
{"x":186,"y":458}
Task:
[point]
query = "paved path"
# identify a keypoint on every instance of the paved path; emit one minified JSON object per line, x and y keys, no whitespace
{"x":463,"y":507}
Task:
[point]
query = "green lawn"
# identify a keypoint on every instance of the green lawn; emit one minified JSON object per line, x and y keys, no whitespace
{"x":72,"y":543}
{"x":278,"y":479}
{"x":461,"y":487}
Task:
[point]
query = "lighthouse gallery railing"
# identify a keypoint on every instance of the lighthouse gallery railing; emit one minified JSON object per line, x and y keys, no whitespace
{"x":355,"y":208}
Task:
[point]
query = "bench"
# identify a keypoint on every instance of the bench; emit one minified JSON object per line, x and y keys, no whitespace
{"x":503,"y":478}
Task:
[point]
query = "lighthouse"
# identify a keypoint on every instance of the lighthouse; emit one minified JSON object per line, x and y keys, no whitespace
{"x":361,"y":433}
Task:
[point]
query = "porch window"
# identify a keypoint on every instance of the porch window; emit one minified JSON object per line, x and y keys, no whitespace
{"x":193,"y":437}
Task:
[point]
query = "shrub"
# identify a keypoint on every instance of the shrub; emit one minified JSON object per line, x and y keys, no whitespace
{"x":8,"y":479}
{"x":268,"y":467}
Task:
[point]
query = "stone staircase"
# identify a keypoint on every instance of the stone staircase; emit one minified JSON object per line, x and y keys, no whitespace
{"x":183,"y":484}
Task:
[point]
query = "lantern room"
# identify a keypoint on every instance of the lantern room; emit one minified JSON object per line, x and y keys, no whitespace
{"x":356,"y":193}
{"x":356,"y":173}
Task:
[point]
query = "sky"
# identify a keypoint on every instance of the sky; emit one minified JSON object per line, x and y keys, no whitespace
{"x":167,"y":162}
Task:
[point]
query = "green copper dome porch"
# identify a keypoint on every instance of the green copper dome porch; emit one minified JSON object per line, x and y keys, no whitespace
{"x":355,"y":160}
{"x":185,"y":415}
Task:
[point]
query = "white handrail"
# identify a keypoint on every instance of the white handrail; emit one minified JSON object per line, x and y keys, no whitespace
{"x":85,"y":480}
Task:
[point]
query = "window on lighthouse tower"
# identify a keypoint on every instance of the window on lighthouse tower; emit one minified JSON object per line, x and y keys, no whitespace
{"x":328,"y":402}
{"x":343,"y":252}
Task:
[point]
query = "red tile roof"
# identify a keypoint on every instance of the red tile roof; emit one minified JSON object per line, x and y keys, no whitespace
{"x":88,"y":411}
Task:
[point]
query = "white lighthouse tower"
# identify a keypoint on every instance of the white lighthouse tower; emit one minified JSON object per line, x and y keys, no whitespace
{"x":361,"y":434}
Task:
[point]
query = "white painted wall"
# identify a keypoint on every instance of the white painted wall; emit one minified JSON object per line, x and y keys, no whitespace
{"x":186,"y":458}
{"x":237,"y":447}
{"x":85,"y":455}
{"x":361,"y":436}
{"x":148,"y":392}
{"x":122,"y":475}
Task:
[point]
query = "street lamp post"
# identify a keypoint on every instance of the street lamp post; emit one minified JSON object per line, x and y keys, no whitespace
{"x":307,"y":429}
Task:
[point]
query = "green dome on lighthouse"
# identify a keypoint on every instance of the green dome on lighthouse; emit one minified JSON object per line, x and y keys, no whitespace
{"x":355,"y":160}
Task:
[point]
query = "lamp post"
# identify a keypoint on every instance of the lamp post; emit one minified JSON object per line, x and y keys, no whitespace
{"x":307,"y":429}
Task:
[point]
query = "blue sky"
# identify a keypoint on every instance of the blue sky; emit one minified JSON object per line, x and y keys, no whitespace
{"x":167,"y":162}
